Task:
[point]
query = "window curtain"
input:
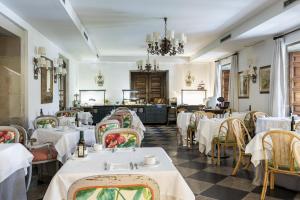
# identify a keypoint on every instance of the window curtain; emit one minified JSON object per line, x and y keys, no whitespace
{"x":279,"y":95}
{"x":217,"y":86}
{"x":233,"y":83}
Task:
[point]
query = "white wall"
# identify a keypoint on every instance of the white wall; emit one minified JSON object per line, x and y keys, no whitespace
{"x":261,"y":54}
{"x":117,"y":77}
{"x":30,"y":39}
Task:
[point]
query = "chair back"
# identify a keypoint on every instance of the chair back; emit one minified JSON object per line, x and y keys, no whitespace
{"x":119,"y":118}
{"x":226,"y":132}
{"x":210,"y":115}
{"x":122,"y":108}
{"x":181,"y":110}
{"x":249,"y":123}
{"x":23,"y":136}
{"x":256,"y":115}
{"x":44,"y":121}
{"x":278,"y":145}
{"x":196,"y":116}
{"x":66,"y":113}
{"x":9,"y":134}
{"x":117,"y":186}
{"x":241,"y":133}
{"x":104,"y":126}
{"x":121,"y":138}
{"x":126,"y":118}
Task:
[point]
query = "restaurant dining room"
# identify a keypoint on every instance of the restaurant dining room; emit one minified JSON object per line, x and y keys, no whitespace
{"x":160,"y":100}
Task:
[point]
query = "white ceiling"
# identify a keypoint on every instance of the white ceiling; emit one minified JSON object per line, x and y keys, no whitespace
{"x":118,"y":28}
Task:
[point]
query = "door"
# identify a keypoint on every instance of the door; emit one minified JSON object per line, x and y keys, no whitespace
{"x":156,"y":86}
{"x":225,"y":84}
{"x":295,"y":82}
{"x":140,"y":82}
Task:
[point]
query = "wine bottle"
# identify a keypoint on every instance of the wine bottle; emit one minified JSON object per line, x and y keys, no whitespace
{"x":230,"y":112}
{"x":41,"y":112}
{"x":82,"y":152}
{"x":76,"y":120}
{"x":293,"y":124}
{"x":249,"y":107}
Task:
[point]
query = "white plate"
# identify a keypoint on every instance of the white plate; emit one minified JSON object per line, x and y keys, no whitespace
{"x":147,"y":165}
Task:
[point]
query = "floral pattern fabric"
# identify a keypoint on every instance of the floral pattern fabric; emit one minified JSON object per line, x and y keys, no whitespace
{"x":7,"y":136}
{"x":44,"y":123}
{"x":121,"y":140}
{"x":115,"y":193}
{"x":103,"y":128}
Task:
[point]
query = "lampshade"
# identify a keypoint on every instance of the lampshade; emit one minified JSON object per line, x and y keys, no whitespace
{"x":41,"y":51}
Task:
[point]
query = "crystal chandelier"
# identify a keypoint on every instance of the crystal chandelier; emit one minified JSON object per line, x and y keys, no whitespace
{"x":167,"y":45}
{"x":148,"y":66}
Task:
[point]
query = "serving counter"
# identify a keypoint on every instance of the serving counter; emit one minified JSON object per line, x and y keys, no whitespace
{"x":149,"y":114}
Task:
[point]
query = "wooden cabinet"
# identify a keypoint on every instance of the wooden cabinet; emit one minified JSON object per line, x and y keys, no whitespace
{"x":150,"y":84}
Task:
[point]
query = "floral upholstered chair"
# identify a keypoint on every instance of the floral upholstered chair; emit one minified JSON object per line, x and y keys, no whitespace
{"x":117,"y":187}
{"x":119,"y":118}
{"x":121,"y":138}
{"x":104,"y":126}
{"x":126,"y":118}
{"x":66,"y":113}
{"x":23,"y":137}
{"x":122,"y":109}
{"x":9,"y":134}
{"x":45,"y":122}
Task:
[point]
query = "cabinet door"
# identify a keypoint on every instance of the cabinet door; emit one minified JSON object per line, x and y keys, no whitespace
{"x":140,"y":82}
{"x":157,"y":84}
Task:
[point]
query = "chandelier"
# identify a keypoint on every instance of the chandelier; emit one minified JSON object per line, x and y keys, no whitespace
{"x":148,"y":66}
{"x":167,"y":45}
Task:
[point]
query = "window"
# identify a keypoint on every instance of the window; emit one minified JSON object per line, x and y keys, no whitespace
{"x":295,"y":82}
{"x":225,"y":84}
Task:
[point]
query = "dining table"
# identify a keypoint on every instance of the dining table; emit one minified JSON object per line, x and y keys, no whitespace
{"x":65,"y":139}
{"x":255,"y":148}
{"x":171,"y":184}
{"x":183,"y":121}
{"x":15,"y":165}
{"x":207,"y":130}
{"x":268,"y":123}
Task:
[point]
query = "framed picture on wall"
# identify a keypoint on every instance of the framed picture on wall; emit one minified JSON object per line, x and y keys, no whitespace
{"x":243,"y":85}
{"x":264,"y":79}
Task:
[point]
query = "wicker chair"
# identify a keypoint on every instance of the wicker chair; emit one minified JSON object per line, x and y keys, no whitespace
{"x":249,"y":123}
{"x":117,"y":186}
{"x":104,"y":126}
{"x":9,"y":134}
{"x":121,"y":138}
{"x":280,"y":144}
{"x":243,"y":138}
{"x":225,"y":138}
{"x":44,"y":121}
{"x":66,"y":113}
{"x":192,"y":128}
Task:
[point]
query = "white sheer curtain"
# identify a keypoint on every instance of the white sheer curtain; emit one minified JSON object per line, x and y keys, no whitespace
{"x":233,"y":84}
{"x":279,"y":95}
{"x":217,"y":86}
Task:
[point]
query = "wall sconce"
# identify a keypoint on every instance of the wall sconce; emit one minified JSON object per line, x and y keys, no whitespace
{"x":189,"y":79}
{"x":251,"y":72}
{"x":40,"y":62}
{"x":59,"y":69}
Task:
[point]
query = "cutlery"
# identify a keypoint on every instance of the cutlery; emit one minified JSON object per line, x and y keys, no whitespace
{"x":133,"y":149}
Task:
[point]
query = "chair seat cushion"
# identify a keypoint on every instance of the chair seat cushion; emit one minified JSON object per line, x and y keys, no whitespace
{"x":44,"y":154}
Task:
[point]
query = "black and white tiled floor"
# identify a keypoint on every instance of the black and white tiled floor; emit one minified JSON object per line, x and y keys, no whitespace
{"x":206,"y":180}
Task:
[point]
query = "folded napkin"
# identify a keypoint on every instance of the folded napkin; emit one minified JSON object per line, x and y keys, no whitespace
{"x":119,"y":166}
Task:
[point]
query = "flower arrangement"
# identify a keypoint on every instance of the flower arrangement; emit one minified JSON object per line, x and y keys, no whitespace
{"x":7,"y":136}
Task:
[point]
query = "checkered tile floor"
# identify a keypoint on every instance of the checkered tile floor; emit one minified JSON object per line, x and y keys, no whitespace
{"x":209,"y":181}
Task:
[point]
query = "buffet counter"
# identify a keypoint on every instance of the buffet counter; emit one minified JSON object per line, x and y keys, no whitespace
{"x":149,"y":114}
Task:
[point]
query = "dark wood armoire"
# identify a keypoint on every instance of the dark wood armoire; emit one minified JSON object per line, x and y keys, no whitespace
{"x":150,"y":84}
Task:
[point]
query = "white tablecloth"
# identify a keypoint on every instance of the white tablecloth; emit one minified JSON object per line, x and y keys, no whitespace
{"x":171,"y":183}
{"x":267,"y":123}
{"x":66,"y":121}
{"x":206,"y":131}
{"x":12,"y":158}
{"x":85,"y":117}
{"x":183,"y":121}
{"x":238,"y":115}
{"x":65,"y":141}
